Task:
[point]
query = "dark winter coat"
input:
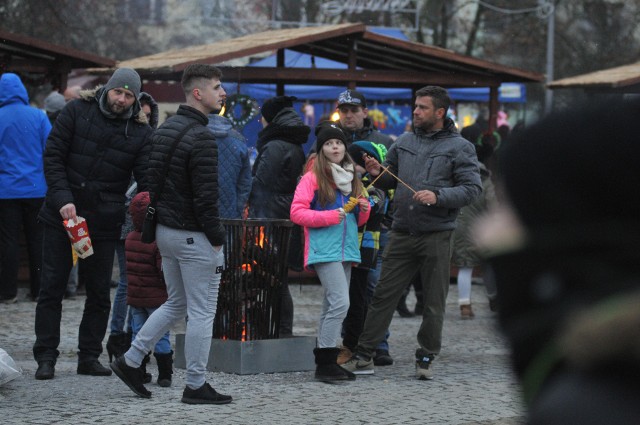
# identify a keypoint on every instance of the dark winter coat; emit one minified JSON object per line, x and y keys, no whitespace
{"x":234,"y":169}
{"x":145,"y":281}
{"x":88,"y":162}
{"x":189,"y":200}
{"x":368,"y":133}
{"x":465,"y":253}
{"x":443,"y":162}
{"x":278,"y":165}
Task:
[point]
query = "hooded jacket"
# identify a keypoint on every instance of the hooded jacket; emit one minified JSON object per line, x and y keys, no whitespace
{"x":23,"y":135}
{"x":88,"y":162}
{"x":234,"y":168}
{"x":443,"y":162}
{"x":145,"y":282}
{"x":278,"y":165}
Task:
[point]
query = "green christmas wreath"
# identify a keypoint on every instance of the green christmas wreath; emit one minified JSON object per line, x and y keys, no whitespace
{"x":249,"y":108}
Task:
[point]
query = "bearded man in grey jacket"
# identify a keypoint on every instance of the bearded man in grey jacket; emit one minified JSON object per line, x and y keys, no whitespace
{"x":437,"y":174}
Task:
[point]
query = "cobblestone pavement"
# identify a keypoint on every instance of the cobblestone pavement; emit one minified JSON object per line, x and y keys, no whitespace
{"x":473,"y":383}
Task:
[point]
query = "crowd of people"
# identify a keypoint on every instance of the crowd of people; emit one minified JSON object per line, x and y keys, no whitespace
{"x":375,"y":214}
{"x":102,"y":154}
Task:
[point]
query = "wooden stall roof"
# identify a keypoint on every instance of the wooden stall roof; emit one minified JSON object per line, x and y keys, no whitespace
{"x":372,"y":59}
{"x":624,"y":78}
{"x":23,"y":54}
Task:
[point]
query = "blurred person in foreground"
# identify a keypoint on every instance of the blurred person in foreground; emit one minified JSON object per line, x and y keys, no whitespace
{"x":564,"y":251}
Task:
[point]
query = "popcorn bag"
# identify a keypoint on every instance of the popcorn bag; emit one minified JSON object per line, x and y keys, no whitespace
{"x":79,"y":235}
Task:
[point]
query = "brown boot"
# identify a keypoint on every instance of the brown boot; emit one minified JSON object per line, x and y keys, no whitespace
{"x":466,"y":312}
{"x":344,"y":355}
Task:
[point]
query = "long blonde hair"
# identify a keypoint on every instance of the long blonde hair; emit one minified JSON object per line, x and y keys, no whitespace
{"x":324,"y":178}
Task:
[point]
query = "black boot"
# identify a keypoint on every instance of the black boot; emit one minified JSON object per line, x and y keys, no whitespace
{"x":146,"y":376}
{"x":118,"y":344}
{"x":165,"y":368}
{"x":327,"y":369}
{"x":401,"y":308}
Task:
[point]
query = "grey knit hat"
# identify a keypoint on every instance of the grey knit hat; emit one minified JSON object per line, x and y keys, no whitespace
{"x":54,"y":102}
{"x":125,"y":78}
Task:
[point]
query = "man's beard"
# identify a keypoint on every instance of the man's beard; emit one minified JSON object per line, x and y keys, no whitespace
{"x":117,"y":109}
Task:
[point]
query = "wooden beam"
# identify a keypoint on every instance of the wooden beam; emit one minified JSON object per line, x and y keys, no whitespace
{"x":372,"y":78}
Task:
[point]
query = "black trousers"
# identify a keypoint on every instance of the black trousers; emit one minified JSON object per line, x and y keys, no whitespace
{"x":17,"y":214}
{"x":96,"y":274}
{"x":354,"y":322}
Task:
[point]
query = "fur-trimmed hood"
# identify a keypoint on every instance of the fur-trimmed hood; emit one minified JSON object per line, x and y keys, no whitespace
{"x":94,"y":94}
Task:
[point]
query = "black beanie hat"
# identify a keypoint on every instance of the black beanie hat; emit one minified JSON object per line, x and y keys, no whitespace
{"x":327,"y":130}
{"x":272,"y":106}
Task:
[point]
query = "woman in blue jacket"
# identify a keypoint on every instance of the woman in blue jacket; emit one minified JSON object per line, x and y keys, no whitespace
{"x":23,"y":135}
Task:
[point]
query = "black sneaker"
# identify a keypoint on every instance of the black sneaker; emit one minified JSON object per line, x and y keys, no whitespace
{"x":382,"y":358}
{"x":93,"y":368}
{"x":204,"y":395}
{"x":46,"y":370}
{"x":131,"y":376}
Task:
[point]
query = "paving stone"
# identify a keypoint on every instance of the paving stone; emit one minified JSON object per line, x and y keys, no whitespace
{"x":473,"y":381}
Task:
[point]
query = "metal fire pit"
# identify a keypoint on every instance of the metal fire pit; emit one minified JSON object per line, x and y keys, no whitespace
{"x":255,"y":268}
{"x":246,"y":327}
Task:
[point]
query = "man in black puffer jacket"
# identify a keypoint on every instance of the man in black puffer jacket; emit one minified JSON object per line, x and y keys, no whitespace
{"x":189,"y":235}
{"x":96,"y":143}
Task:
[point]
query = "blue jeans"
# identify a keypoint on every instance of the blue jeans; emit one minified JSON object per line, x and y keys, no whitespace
{"x":139,"y":316}
{"x":372,"y":282}
{"x":192,"y":270}
{"x":119,"y":312}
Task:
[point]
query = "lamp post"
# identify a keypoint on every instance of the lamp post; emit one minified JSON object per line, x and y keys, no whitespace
{"x":547,"y":9}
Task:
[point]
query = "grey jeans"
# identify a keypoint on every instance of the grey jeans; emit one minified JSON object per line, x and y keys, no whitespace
{"x":192,"y":270}
{"x":334,"y":278}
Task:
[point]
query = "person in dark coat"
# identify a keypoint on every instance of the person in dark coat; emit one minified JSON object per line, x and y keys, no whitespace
{"x":280,"y":159}
{"x":119,"y":339}
{"x":146,"y":290}
{"x":564,"y":252}
{"x":234,"y":168}
{"x":278,"y":165}
{"x":97,"y":141}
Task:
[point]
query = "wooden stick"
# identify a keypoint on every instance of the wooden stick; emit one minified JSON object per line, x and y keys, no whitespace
{"x":376,"y":179}
{"x":397,"y":178}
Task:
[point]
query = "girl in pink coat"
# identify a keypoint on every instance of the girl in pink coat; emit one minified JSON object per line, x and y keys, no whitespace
{"x":330,"y":203}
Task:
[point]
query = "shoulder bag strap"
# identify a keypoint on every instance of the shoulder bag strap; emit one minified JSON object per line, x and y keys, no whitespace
{"x":165,"y":170}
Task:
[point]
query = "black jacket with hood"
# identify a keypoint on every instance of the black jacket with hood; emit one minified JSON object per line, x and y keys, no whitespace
{"x":278,"y":165}
{"x":88,"y":161}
